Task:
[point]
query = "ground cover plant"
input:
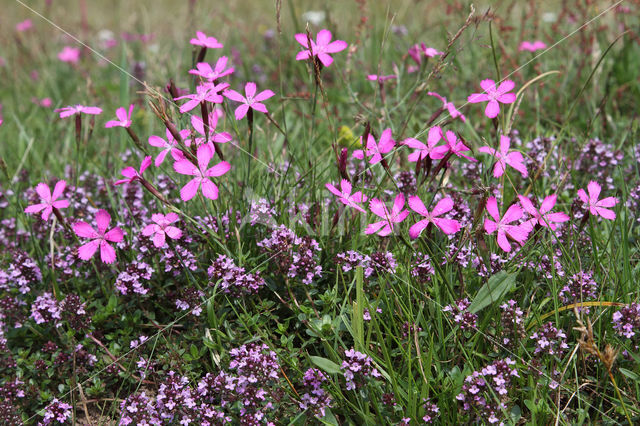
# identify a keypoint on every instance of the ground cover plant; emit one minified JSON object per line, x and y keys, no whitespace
{"x":298,"y":212}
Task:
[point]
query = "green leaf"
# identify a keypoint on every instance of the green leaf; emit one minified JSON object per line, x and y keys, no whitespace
{"x":325,"y":364}
{"x":194,"y":351}
{"x":630,"y":374}
{"x":493,"y":291}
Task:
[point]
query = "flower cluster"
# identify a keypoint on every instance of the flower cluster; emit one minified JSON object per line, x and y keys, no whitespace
{"x":512,"y":323}
{"x":377,"y":263}
{"x":549,"y":340}
{"x":21,"y":273}
{"x":356,"y":368}
{"x":190,"y":298}
{"x":315,"y":398}
{"x":422,"y":269}
{"x":132,"y":279}
{"x":626,"y":321}
{"x":431,"y":411}
{"x":234,"y":279}
{"x":137,"y":409}
{"x":480,"y":389}
{"x":461,"y":316}
{"x":56,"y":412}
{"x":46,"y":309}
{"x":581,"y":288}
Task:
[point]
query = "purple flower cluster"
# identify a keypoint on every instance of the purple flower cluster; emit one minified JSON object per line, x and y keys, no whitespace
{"x":11,"y":394}
{"x":131,"y":280}
{"x":314,"y":399}
{"x":190,"y":298}
{"x":234,"y":279}
{"x":549,"y":340}
{"x":262,"y":213}
{"x":422,"y":269}
{"x":481,"y":387}
{"x":512,"y":323}
{"x":137,"y":409}
{"x":377,"y":263}
{"x":73,"y":311}
{"x":356,"y":368}
{"x":581,"y":288}
{"x":12,"y":311}
{"x":598,"y":160}
{"x":174,"y":394}
{"x":56,"y":411}
{"x":461,"y":316}
{"x":293,"y":255}
{"x":431,"y":411}
{"x":21,"y":273}
{"x":46,"y":309}
{"x":626,"y":321}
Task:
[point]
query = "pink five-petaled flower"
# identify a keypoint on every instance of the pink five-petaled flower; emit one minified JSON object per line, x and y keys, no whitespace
{"x":70,"y":110}
{"x":201,"y":173}
{"x":504,"y":157}
{"x":494,"y":96}
{"x":597,"y":207}
{"x":456,"y":146}
{"x":416,"y":50}
{"x":198,"y":126}
{"x":162,"y":228}
{"x":345,"y":196}
{"x":50,"y":199}
{"x":124,"y":118}
{"x":101,"y":238}
{"x":375,"y":150}
{"x":168,"y":145}
{"x":453,"y":111}
{"x":532,"y":47}
{"x":320,"y":48}
{"x":396,"y":215}
{"x":250,"y":101}
{"x":518,"y":233}
{"x":430,"y":149}
{"x":448,"y":226}
{"x":132,"y":174}
{"x":204,"y":70}
{"x":69,"y":54}
{"x":543,"y":217}
{"x":204,"y":92}
{"x":204,"y":41}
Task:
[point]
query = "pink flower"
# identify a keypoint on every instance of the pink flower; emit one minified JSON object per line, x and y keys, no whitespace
{"x":320,"y":48}
{"x":517,"y":233}
{"x":375,"y":150}
{"x":345,"y":196}
{"x":456,"y":146}
{"x":204,"y":70}
{"x":201,"y":173}
{"x":542,"y":216}
{"x":597,"y":207}
{"x":417,"y":50}
{"x":101,"y":238}
{"x":430,"y":149}
{"x":162,"y":228}
{"x":532,"y":47}
{"x":453,"y":111}
{"x":493,"y":96}
{"x":24,"y":25}
{"x":50,"y":200}
{"x":448,"y":226}
{"x":132,"y":174}
{"x":505,"y":157}
{"x":250,"y":101}
{"x":385,"y":226}
{"x":69,"y":54}
{"x":380,"y":78}
{"x":204,"y":41}
{"x":169,"y":145}
{"x":198,"y":125}
{"x":124,"y":118}
{"x":204,"y":92}
{"x":68,"y":111}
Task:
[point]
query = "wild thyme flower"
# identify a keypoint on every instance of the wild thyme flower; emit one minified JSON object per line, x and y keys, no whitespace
{"x":45,"y":309}
{"x":137,"y":409}
{"x":431,"y":411}
{"x":234,"y":279}
{"x":581,"y":288}
{"x":357,"y":367}
{"x":132,"y":279}
{"x":190,"y":298}
{"x":549,"y":340}
{"x":73,"y":311}
{"x":21,"y":273}
{"x":512,"y":323}
{"x":461,"y":316}
{"x":315,"y":398}
{"x":56,"y":411}
{"x":626,"y":321}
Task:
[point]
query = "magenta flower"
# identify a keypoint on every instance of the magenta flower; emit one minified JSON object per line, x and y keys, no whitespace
{"x":198,"y":125}
{"x":101,"y":238}
{"x":505,"y":157}
{"x":320,"y":48}
{"x":168,"y":145}
{"x":396,"y":215}
{"x":204,"y":41}
{"x":380,"y":78}
{"x":162,"y":228}
{"x":69,"y":54}
{"x":124,"y":118}
{"x":68,"y":111}
{"x":417,"y":50}
{"x":430,"y":149}
{"x":345,"y":196}
{"x":494,"y":96}
{"x":201,"y":173}
{"x":375,"y":150}
{"x":448,"y":226}
{"x":250,"y":101}
{"x":24,"y":25}
{"x":597,"y":207}
{"x":517,"y":233}
{"x":543,"y":217}
{"x":204,"y":92}
{"x":456,"y":146}
{"x":132,"y":174}
{"x":532,"y":47}
{"x":449,"y":106}
{"x":204,"y":70}
{"x":50,"y":200}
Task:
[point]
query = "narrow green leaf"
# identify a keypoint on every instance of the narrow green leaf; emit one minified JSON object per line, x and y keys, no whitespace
{"x":493,"y":291}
